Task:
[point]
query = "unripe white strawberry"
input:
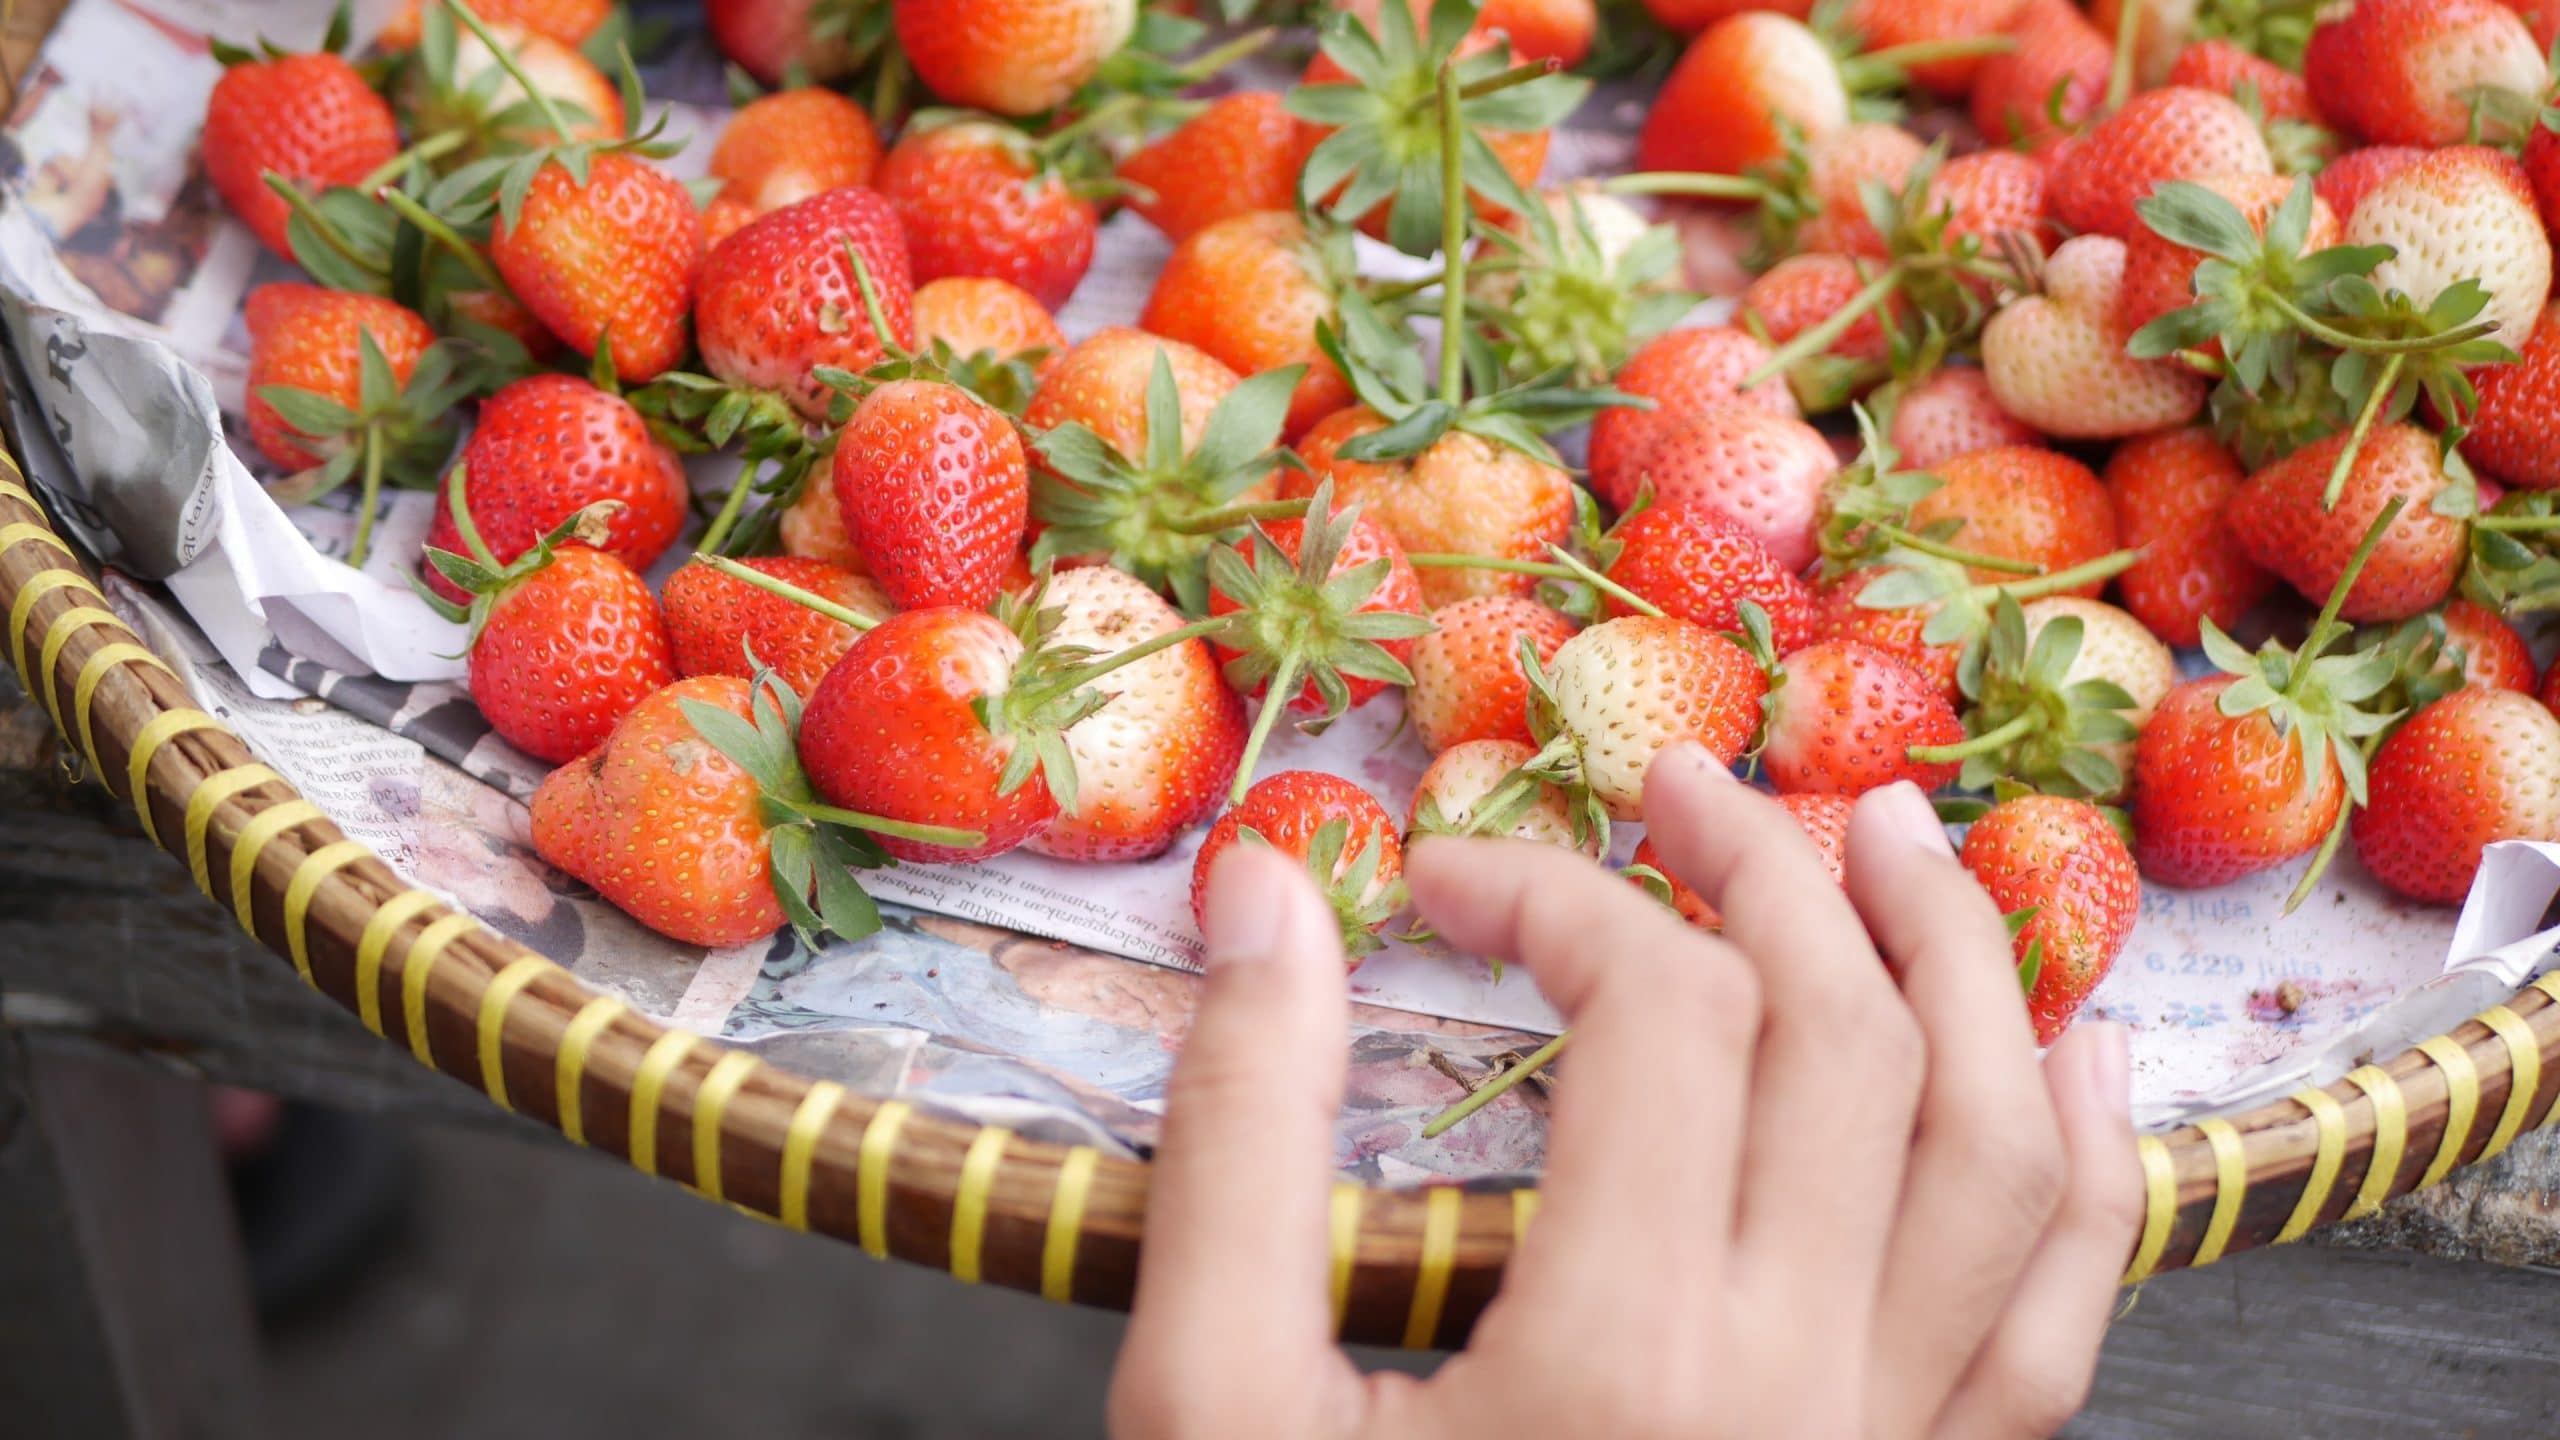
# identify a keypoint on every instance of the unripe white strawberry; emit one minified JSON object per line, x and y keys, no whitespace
{"x":2460,"y":214}
{"x":1464,"y":775}
{"x":2057,"y":360}
{"x":1625,"y":689}
{"x":2113,"y":646}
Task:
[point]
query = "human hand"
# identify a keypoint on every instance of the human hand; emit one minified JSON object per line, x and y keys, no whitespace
{"x":1782,"y":1197}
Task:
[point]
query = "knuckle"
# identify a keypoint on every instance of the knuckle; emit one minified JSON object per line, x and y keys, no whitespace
{"x":2038,"y":1393}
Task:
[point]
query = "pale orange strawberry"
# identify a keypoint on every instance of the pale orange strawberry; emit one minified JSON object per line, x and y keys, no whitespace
{"x":1251,"y":290}
{"x":2176,"y":133}
{"x":1101,"y":384}
{"x":1740,"y":90}
{"x":1464,"y":495}
{"x":813,"y":528}
{"x":1837,"y":167}
{"x":568,"y":21}
{"x":2057,"y":361}
{"x":1802,"y":291}
{"x":478,"y":97}
{"x":1683,"y":371}
{"x":2226,"y":69}
{"x":1883,"y":24}
{"x":1691,"y":16}
{"x":975,"y":315}
{"x":2022,"y":503}
{"x":2279,"y":518}
{"x":2462,"y":213}
{"x":1764,"y":470}
{"x":2115,"y":648}
{"x":1014,"y":57}
{"x":1240,"y":155}
{"x":2169,"y":491}
{"x":1557,"y":30}
{"x":1953,"y":412}
{"x":2050,"y":85}
{"x":790,"y":145}
{"x":1625,"y":690}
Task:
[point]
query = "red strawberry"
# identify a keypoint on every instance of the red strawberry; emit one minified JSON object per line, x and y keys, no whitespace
{"x":1250,"y":290}
{"x":2462,"y":213}
{"x":721,"y":625}
{"x":1739,"y":90}
{"x":2511,"y":436}
{"x":613,"y":257}
{"x":1764,"y":470}
{"x":309,"y":118}
{"x":1558,"y":30}
{"x":2175,"y":133}
{"x":1240,"y":155}
{"x":1683,"y":371}
{"x":1691,"y":16}
{"x":2410,"y":72}
{"x":565,"y":639}
{"x":2050,"y":85}
{"x":2226,"y":69}
{"x":935,"y":493}
{"x":1620,"y":693}
{"x":1824,"y":820}
{"x":1346,"y":837}
{"x":2058,"y":360}
{"x":1158,"y":756}
{"x":1896,"y":630}
{"x":1837,"y":167}
{"x":1883,"y":24}
{"x":2484,"y":648}
{"x":774,"y":38}
{"x":307,"y":339}
{"x":785,"y":147}
{"x":2159,"y":273}
{"x":1700,"y":566}
{"x":2277,"y":516}
{"x":1802,"y":291}
{"x":2551,"y":688}
{"x":978,"y":316}
{"x":2169,"y":491}
{"x":2022,"y":503}
{"x":1843,"y":718}
{"x":1953,"y":412}
{"x":547,"y":447}
{"x":779,"y":298}
{"x":1450,"y":797}
{"x":980,"y":198}
{"x":1015,"y":57}
{"x":2064,"y":866}
{"x":1467,"y":680}
{"x":569,"y":22}
{"x":1464,"y":495}
{"x":2479,"y":766}
{"x":2344,"y":182}
{"x":2541,"y":161}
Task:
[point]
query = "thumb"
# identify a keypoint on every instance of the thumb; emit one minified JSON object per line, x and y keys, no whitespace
{"x":1232,"y":1283}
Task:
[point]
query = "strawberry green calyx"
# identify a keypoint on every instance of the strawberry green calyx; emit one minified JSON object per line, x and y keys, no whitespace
{"x":480,"y":573}
{"x":1052,"y":688}
{"x":1387,"y":141}
{"x":1577,"y":305}
{"x":2515,"y":553}
{"x":334,"y":42}
{"x":1161,"y":515}
{"x":396,"y":433}
{"x":1867,"y":513}
{"x":1963,"y":612}
{"x":2026,"y":721}
{"x":379,"y":239}
{"x":695,"y":414}
{"x":506,"y":164}
{"x":1361,"y":906}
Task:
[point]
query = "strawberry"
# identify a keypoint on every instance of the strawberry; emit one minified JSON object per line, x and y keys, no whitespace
{"x":2463,"y":213}
{"x":1802,"y":291}
{"x":1619,"y":693}
{"x":2511,"y":437}
{"x":2414,"y":72}
{"x":2217,"y":796}
{"x":2050,"y":84}
{"x":1158,"y":757}
{"x":2059,"y":869}
{"x":2279,"y":519}
{"x":2477,"y":767}
{"x":982,"y":198}
{"x":1840,"y":614}
{"x":1464,"y":495}
{"x":2024,"y":504}
{"x":785,"y":147}
{"x":2176,"y":133}
{"x":1824,"y":820}
{"x":1883,"y":24}
{"x":720,"y":624}
{"x":1587,"y":279}
{"x":565,"y":638}
{"x":723,"y":215}
{"x":689,"y":816}
{"x":1557,"y":30}
{"x":2541,"y":160}
{"x":780,"y":298}
{"x":1347,"y":839}
{"x":1450,"y":796}
{"x":2461,"y":644}
{"x":1250,"y":290}
{"x":2169,"y":491}
{"x":1825,"y":207}
{"x":308,"y":118}
{"x":1701,"y":566}
{"x":935,"y":493}
{"x":2226,"y":69}
{"x":1240,"y":155}
{"x":1739,"y":89}
{"x":1844,"y":718}
{"x":2056,"y":693}
{"x":569,"y":22}
{"x":1951,"y":412}
{"x":2345,"y":181}
{"x":2057,"y":361}
{"x":1688,"y":17}
{"x":2488,"y":650}
{"x":1103,"y":382}
{"x":976,"y":316}
{"x":812,"y":528}
{"x":611,"y":255}
{"x":1762,"y":469}
{"x":494,"y":88}
{"x":1014,"y":57}
{"x":2159,"y":273}
{"x":1328,"y":611}
{"x":812,"y":40}
{"x":547,"y":447}
{"x":1467,"y":680}
{"x":1683,"y":371}
{"x":2551,"y":688}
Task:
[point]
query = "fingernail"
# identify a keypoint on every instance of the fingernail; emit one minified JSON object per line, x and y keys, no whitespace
{"x":2111,"y":1064}
{"x":1243,"y":911}
{"x":1908,"y":813}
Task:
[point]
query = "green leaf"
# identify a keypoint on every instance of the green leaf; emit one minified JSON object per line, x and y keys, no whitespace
{"x":2191,"y":215}
{"x":1247,"y":423}
{"x":311,"y":413}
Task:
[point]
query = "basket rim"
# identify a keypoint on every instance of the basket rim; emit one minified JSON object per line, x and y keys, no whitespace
{"x":1410,"y":1266}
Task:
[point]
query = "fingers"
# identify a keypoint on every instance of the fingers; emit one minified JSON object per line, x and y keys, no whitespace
{"x":2033,"y":1373}
{"x":1987,"y":1163}
{"x":1645,"y":1133}
{"x":1231,"y":1329}
{"x":1838,"y":1068}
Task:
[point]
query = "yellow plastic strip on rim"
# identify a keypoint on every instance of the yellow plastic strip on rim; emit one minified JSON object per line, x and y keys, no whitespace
{"x":648,"y":1085}
{"x":570,"y":1076}
{"x":217,"y":787}
{"x":2461,"y":1102}
{"x":710,"y":1110}
{"x":397,"y":911}
{"x":1342,"y":1227}
{"x":414,"y":970}
{"x":85,"y":688}
{"x":158,"y":731}
{"x":57,"y":636}
{"x":2230,"y":1183}
{"x":10,"y":475}
{"x":27,"y":531}
{"x":1431,"y":1275}
{"x":1066,"y":1224}
{"x":2159,"y":1207}
{"x":255,"y":836}
{"x":1524,"y":1212}
{"x":800,"y":1150}
{"x":871,"y":1177}
{"x":2330,"y":1149}
{"x":2524,"y":1067}
{"x":22,"y":608}
{"x":317,"y":866}
{"x":2390,"y":1138}
{"x":495,"y":1001}
{"x":969,"y":1201}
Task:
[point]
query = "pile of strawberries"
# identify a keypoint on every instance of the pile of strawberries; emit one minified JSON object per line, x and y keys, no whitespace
{"x":2062,"y":339}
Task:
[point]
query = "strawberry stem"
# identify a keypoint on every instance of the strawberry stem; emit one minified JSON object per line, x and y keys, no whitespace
{"x":1077,"y":677}
{"x":434,"y":228}
{"x":464,"y":525}
{"x":732,"y":506}
{"x":2329,"y":334}
{"x":1602,"y":583}
{"x":434,"y":147}
{"x":506,"y":59}
{"x":1704,"y":185}
{"x":2326,"y":630}
{"x":370,"y":498}
{"x":899,"y":829}
{"x":321,"y":227}
{"x":2120,"y":69}
{"x":1486,"y":1093}
{"x":1912,"y":540}
{"x":749,"y":575}
{"x":1882,"y":69}
{"x":871,"y":310}
{"x":2516,"y":524}
{"x":1982,"y":744}
{"x":1230,"y":517}
{"x":2087,"y":572}
{"x":1453,"y":233}
{"x":2383,"y":385}
{"x":1278,"y":696}
{"x":2329,"y":843}
{"x":1812,"y":342}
